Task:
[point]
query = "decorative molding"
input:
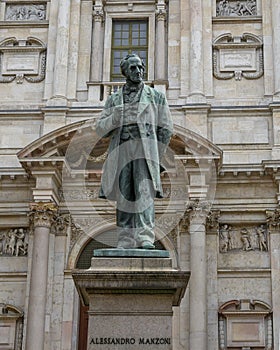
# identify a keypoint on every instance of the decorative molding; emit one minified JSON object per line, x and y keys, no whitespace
{"x":14,"y":242}
{"x":11,"y":319}
{"x":243,"y":238}
{"x":86,"y":194}
{"x":22,"y":60}
{"x":238,"y":318}
{"x":233,"y":8}
{"x":25,"y":12}
{"x":42,"y":214}
{"x":240,"y":56}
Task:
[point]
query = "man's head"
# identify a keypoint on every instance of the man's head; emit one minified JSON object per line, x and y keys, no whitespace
{"x":132,"y":68}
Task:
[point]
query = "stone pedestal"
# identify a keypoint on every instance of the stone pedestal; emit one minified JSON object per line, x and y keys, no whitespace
{"x":130,"y":301}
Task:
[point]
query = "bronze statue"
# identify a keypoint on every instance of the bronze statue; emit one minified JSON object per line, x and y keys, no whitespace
{"x":138,"y":121}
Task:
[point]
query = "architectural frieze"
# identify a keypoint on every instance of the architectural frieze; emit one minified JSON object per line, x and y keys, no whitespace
{"x":25,"y":12}
{"x":235,"y":8}
{"x":236,"y":238}
{"x":14,"y":242}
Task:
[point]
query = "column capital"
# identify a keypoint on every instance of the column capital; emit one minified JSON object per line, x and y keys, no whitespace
{"x":212,"y":221}
{"x":42,"y":214}
{"x":98,"y":13}
{"x":198,"y":211}
{"x":273,"y":219}
{"x":161,"y":10}
{"x":62,"y":223}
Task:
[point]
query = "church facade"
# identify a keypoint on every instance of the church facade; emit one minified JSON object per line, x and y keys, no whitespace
{"x":217,"y":61}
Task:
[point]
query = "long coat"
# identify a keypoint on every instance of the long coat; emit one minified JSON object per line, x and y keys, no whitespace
{"x":155,"y":128}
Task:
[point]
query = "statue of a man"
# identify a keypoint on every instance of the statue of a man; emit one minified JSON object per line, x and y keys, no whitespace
{"x":137,"y":120}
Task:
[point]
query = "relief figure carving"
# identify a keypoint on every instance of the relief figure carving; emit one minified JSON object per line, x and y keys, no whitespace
{"x":14,"y":242}
{"x":250,"y":238}
{"x":236,"y":8}
{"x":26,"y":12}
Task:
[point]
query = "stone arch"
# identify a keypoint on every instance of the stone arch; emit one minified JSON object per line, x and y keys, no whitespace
{"x":51,"y":148}
{"x":55,"y":143}
{"x":84,"y":239}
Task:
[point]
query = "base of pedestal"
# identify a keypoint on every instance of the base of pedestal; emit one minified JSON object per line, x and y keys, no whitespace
{"x":132,"y":253}
{"x":130,"y":301}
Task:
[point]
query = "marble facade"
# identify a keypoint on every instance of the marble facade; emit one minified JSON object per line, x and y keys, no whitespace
{"x":218,"y":62}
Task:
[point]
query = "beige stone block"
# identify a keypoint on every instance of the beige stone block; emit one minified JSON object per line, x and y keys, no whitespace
{"x":17,"y":133}
{"x":250,"y":259}
{"x":238,"y":130}
{"x":245,"y":157}
{"x":13,"y":265}
{"x":13,"y":291}
{"x":246,"y":287}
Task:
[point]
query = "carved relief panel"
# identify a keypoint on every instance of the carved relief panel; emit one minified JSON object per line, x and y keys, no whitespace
{"x":25,"y":12}
{"x":235,"y":8}
{"x":237,"y":57}
{"x":246,"y":238}
{"x":14,"y":242}
{"x":22,"y":60}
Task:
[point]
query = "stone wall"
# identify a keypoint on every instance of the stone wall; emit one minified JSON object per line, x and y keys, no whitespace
{"x":222,"y":81}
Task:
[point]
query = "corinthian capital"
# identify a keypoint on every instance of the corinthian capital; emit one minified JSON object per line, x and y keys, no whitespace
{"x":273,"y":218}
{"x":42,"y":214}
{"x":198,"y":210}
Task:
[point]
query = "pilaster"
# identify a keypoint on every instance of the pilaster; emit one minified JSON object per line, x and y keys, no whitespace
{"x":275,"y":14}
{"x":96,"y":66}
{"x":59,"y":97}
{"x":97,"y":45}
{"x":41,"y":217}
{"x":196,"y":94}
{"x":212,"y":228}
{"x":197,"y":212}
{"x":160,"y":47}
{"x":74,"y":36}
{"x":273,"y":220}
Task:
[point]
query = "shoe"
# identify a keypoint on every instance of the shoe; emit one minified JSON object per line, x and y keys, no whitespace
{"x":147,"y":245}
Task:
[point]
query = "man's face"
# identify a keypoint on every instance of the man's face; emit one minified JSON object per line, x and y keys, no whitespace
{"x":135,"y":70}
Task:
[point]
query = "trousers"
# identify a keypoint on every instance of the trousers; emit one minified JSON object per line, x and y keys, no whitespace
{"x":135,"y":212}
